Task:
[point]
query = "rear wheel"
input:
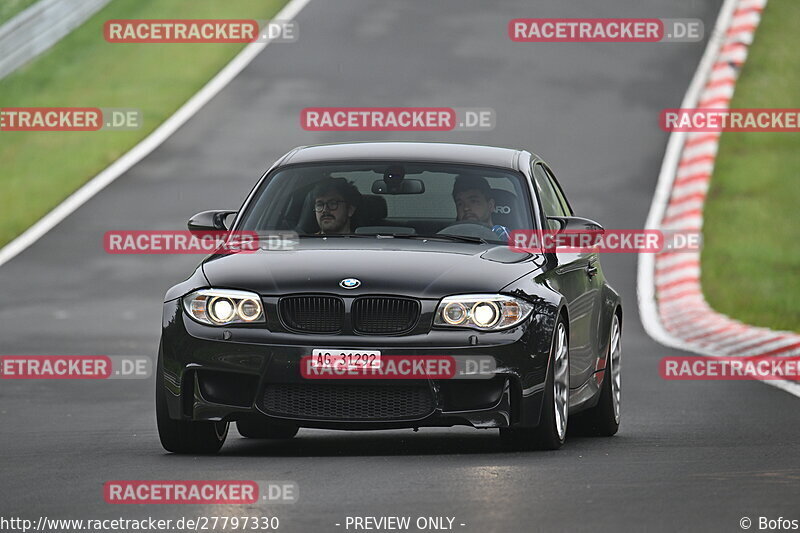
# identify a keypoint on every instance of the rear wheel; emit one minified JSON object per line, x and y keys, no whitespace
{"x":551,"y":432}
{"x":257,"y":429}
{"x":183,"y":436}
{"x":603,"y":419}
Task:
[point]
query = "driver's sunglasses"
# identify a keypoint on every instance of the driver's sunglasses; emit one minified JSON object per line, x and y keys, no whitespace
{"x":332,"y":205}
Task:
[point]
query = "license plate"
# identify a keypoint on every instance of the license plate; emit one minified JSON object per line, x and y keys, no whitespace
{"x":345,"y":358}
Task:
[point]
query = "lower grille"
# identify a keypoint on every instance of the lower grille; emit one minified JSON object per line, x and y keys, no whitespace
{"x":312,"y":314}
{"x":348,"y":402}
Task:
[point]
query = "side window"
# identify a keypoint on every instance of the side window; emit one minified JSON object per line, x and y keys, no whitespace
{"x":551,"y":204}
{"x":557,"y":189}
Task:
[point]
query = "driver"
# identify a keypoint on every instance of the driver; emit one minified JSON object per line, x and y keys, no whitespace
{"x":335,"y":202}
{"x":474,"y":203}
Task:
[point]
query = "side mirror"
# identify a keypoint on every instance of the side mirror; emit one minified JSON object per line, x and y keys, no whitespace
{"x":210,"y":221}
{"x":576,"y":224}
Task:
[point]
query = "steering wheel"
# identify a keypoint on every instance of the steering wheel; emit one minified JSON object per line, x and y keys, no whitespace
{"x":470,"y":229}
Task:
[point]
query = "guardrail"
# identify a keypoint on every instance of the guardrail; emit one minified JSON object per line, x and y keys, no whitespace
{"x":39,"y":27}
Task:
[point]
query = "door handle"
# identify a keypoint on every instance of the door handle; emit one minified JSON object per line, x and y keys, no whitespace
{"x":591,"y":270}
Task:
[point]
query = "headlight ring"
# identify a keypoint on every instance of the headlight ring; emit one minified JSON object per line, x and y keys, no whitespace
{"x":484,"y":312}
{"x":222,"y":307}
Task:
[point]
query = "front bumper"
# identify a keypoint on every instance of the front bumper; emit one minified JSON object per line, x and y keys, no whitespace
{"x":227,"y":374}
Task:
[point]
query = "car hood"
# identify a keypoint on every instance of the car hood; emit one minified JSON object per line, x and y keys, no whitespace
{"x":421,"y":269}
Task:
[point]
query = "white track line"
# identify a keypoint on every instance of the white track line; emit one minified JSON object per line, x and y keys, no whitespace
{"x":147,"y":145}
{"x":684,"y":172}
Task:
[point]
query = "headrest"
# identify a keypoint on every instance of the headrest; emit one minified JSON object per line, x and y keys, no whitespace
{"x":308,"y":219}
{"x":373,"y":209}
{"x":506,"y":210}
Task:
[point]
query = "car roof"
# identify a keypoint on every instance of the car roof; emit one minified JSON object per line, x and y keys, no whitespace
{"x":469,"y":154}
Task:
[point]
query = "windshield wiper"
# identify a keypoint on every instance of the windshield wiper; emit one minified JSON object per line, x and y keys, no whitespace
{"x":320,"y":236}
{"x":457,"y":238}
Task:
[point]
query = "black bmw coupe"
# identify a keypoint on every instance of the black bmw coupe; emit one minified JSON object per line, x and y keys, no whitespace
{"x":401,"y":250}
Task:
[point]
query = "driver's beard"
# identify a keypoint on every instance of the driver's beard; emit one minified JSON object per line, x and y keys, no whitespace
{"x":335,"y":227}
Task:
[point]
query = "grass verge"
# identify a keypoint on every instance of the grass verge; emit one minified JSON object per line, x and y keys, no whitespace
{"x":9,"y":8}
{"x":751,"y":253}
{"x":39,"y":169}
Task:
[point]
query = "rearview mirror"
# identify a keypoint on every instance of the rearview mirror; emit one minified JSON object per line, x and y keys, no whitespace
{"x":398,"y":186}
{"x":210,"y":220}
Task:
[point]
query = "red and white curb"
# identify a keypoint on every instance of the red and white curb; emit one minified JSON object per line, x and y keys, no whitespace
{"x":671,"y":302}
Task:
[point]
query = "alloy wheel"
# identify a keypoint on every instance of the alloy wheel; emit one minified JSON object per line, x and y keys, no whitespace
{"x":561,"y":381}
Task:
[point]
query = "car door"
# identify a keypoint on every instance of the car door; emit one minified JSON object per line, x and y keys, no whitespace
{"x":573,"y":276}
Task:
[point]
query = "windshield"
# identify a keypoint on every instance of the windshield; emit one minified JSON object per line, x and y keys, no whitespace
{"x":407,"y":199}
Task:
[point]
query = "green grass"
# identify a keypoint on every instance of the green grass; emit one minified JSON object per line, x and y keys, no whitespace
{"x":9,"y":8}
{"x":751,"y":254}
{"x":39,"y":169}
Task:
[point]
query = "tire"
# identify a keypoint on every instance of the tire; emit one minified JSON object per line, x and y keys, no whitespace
{"x":257,"y":429}
{"x":183,"y":436}
{"x":551,"y":432}
{"x":603,"y":419}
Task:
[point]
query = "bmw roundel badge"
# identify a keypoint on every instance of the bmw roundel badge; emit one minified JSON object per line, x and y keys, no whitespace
{"x":349,"y":283}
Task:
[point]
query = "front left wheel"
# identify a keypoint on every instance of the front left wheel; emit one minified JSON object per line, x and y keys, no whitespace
{"x":551,"y":432}
{"x":183,"y":436}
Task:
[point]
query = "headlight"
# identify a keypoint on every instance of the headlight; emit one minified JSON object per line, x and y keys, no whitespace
{"x":487,"y":312}
{"x":221,"y":307}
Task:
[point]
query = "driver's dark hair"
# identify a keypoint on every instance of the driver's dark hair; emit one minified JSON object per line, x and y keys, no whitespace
{"x":345,"y":188}
{"x":470,"y":182}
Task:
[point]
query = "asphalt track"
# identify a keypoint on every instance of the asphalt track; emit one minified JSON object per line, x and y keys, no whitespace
{"x":689,"y":456}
